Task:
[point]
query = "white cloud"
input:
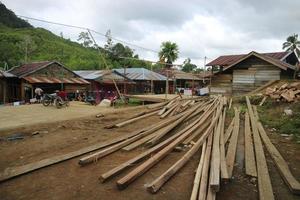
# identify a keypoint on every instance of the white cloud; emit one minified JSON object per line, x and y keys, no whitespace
{"x":199,"y":27}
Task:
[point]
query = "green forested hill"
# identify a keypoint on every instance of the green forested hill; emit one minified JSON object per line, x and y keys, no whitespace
{"x":20,"y":43}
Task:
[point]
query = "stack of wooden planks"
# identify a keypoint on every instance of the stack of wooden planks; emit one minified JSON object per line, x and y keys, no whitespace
{"x":255,"y":160}
{"x":287,"y":92}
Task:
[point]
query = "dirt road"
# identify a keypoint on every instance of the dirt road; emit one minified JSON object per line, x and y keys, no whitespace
{"x":12,"y":117}
{"x":67,"y":180}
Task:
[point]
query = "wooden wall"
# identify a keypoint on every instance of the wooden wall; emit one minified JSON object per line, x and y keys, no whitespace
{"x":245,"y":76}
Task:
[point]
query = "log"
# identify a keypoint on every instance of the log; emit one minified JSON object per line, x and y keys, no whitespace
{"x":134,"y":174}
{"x":228,"y":131}
{"x":224,"y":171}
{"x":264,"y":181}
{"x":281,"y":164}
{"x":159,"y":182}
{"x":204,"y":176}
{"x":197,"y":178}
{"x":12,"y":172}
{"x":231,"y":151}
{"x":250,"y":165}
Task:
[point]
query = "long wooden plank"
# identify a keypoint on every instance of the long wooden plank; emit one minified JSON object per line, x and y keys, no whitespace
{"x":161,"y":180}
{"x":224,"y":171}
{"x":121,"y":124}
{"x":139,"y":142}
{"x":204,"y":176}
{"x":215,"y":158}
{"x":262,"y":101}
{"x":12,"y":172}
{"x":250,"y":164}
{"x":230,"y":103}
{"x":264,"y":181}
{"x":140,"y":157}
{"x":138,"y":171}
{"x":231,"y":151}
{"x":162,"y":132}
{"x":281,"y":164}
{"x":201,"y":129}
{"x":228,"y":131}
{"x":198,"y":174}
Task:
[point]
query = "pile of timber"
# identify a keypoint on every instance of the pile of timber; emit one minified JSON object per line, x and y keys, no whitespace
{"x":255,"y":159}
{"x":286,"y":92}
{"x":199,"y":125}
{"x":204,"y":134}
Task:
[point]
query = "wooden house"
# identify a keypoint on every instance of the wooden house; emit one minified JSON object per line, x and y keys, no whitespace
{"x":104,"y":82}
{"x":143,"y":78}
{"x":236,"y":74}
{"x":47,"y":75}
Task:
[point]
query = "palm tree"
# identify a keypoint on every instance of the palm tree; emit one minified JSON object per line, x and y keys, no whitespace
{"x":292,"y":44}
{"x":168,"y":53}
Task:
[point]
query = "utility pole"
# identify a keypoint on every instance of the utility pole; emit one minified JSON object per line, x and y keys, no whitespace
{"x":167,"y":84}
{"x":151,"y":81}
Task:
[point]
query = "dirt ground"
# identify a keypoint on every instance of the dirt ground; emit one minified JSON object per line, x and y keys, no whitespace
{"x":67,"y":180}
{"x":12,"y":117}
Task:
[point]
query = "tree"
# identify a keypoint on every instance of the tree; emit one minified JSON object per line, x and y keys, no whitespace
{"x":28,"y":46}
{"x":168,"y":53}
{"x":85,"y":38}
{"x":292,"y":44}
{"x":188,"y":66}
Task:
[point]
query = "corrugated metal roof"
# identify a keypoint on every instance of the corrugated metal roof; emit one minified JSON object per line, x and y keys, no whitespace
{"x":230,"y":59}
{"x":141,"y":74}
{"x":274,"y":61}
{"x":6,"y":74}
{"x":99,"y":75}
{"x":50,"y":80}
{"x":28,"y":68}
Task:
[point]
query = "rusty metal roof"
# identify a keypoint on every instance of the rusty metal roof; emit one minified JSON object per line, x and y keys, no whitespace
{"x":52,"y":80}
{"x":227,"y":60}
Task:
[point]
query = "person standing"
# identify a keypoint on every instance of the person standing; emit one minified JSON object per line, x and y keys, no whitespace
{"x":38,"y":94}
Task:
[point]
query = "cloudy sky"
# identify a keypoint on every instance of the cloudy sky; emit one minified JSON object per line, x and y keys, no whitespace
{"x":199,"y":27}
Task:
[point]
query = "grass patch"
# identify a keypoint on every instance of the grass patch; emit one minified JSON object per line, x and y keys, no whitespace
{"x":272,"y":115}
{"x":131,"y":102}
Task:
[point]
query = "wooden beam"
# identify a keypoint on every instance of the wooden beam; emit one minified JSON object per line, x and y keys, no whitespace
{"x":231,"y":151}
{"x":215,"y":158}
{"x":264,"y":181}
{"x":228,"y":131}
{"x":194,"y":195}
{"x":224,"y":171}
{"x":19,"y":170}
{"x":230,"y":103}
{"x":281,"y":164}
{"x":138,"y":171}
{"x":201,"y":129}
{"x":250,"y":165}
{"x":161,"y":180}
{"x":121,"y":124}
{"x":139,"y":142}
{"x":204,"y":176}
{"x":262,"y":101}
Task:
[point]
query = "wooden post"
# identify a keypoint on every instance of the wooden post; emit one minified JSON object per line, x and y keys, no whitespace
{"x":167,"y":85}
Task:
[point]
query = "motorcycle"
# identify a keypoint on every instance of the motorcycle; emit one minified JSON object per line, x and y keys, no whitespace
{"x":59,"y":102}
{"x":48,"y":99}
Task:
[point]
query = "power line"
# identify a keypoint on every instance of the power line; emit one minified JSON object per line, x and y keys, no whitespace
{"x":102,"y":34}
